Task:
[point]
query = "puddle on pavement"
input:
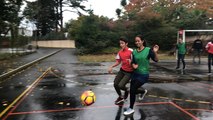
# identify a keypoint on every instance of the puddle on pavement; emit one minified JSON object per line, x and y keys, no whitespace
{"x":95,"y":80}
{"x":52,"y":83}
{"x":82,"y":77}
{"x":70,"y":76}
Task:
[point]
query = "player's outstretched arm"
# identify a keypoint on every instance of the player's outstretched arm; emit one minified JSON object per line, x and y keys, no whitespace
{"x":155,"y":50}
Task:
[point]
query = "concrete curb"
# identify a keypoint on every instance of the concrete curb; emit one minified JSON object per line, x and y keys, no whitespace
{"x":6,"y":75}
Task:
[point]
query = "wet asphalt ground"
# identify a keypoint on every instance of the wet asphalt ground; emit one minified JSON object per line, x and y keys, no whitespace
{"x":11,"y":64}
{"x":51,"y":89}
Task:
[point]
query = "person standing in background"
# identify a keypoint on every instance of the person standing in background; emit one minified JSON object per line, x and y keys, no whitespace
{"x":197,"y":48}
{"x":181,"y":47}
{"x":209,"y":49}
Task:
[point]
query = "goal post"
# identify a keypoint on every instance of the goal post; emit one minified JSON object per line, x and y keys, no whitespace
{"x":182,"y":34}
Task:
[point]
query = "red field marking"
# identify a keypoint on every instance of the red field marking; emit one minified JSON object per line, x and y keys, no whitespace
{"x":180,"y":108}
{"x":100,"y":107}
{"x":84,"y":108}
{"x":110,"y":106}
{"x":207,"y":110}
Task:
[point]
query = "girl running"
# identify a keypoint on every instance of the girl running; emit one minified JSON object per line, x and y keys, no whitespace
{"x":124,"y":57}
{"x":140,"y":63}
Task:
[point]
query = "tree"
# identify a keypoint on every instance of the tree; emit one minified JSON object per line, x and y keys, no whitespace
{"x":157,"y":18}
{"x":53,"y":17}
{"x":10,"y":19}
{"x":118,"y":12}
{"x":204,"y":5}
{"x":42,"y":13}
{"x":92,"y":33}
{"x":194,"y":19}
{"x":76,"y":6}
{"x":182,"y":15}
{"x":169,"y":9}
{"x":9,"y":15}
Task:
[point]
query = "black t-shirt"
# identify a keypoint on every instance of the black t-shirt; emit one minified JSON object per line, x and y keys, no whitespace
{"x":197,"y":44}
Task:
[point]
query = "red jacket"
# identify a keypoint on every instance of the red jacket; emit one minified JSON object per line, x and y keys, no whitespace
{"x":125,"y":57}
{"x":209,"y":47}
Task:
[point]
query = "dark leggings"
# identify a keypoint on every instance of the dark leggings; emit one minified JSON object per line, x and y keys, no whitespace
{"x":135,"y":89}
{"x":210,"y":61}
{"x":121,"y":79}
{"x":181,"y":57}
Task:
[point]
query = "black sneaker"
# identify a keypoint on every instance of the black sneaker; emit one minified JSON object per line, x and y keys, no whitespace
{"x":119,"y":100}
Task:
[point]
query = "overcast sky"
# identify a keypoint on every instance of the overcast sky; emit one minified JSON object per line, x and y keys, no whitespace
{"x":100,"y":7}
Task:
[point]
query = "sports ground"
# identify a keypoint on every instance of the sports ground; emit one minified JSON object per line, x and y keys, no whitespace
{"x":51,"y":89}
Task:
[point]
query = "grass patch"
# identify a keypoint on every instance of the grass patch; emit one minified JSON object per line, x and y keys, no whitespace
{"x":110,"y":50}
{"x":7,"y":56}
{"x":4,"y":56}
{"x":166,"y":57}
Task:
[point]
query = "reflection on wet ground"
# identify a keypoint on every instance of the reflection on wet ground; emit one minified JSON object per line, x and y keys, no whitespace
{"x":168,"y":93}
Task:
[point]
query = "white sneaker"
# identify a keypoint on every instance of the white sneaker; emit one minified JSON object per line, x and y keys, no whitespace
{"x":129,"y":111}
{"x":141,"y":96}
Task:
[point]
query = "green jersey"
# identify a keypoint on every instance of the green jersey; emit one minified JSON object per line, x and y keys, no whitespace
{"x":181,"y":48}
{"x":141,"y":58}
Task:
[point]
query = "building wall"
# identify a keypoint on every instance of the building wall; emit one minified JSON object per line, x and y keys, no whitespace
{"x":56,"y":43}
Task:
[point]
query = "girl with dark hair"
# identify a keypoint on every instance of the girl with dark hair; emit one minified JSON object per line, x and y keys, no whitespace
{"x":140,"y":63}
{"x":124,"y":57}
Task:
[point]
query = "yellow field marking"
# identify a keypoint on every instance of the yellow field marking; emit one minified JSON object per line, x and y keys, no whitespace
{"x":190,"y":101}
{"x":23,"y":93}
{"x":203,"y":102}
{"x":177,"y":99}
{"x":152,"y":96}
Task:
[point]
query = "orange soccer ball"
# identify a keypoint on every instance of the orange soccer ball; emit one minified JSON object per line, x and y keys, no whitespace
{"x":88,"y":98}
